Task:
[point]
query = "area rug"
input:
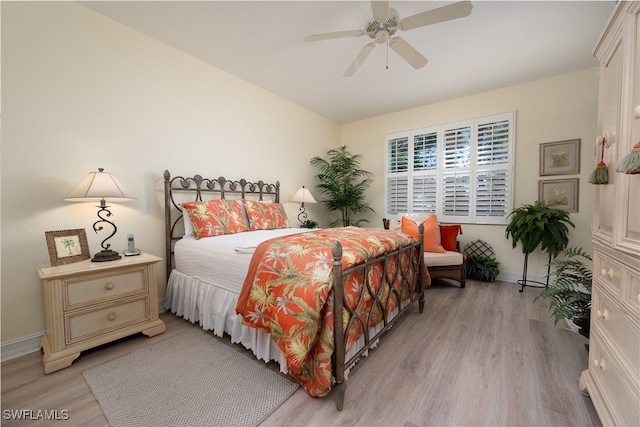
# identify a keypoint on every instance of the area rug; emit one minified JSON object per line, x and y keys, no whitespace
{"x":191,"y":379}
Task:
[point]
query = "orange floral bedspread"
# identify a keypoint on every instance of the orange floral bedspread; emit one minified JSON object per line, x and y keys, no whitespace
{"x":286,"y":293}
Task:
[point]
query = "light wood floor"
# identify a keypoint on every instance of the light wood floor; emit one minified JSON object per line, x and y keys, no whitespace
{"x":484,"y":355}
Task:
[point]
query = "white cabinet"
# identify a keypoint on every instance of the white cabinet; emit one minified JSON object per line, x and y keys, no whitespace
{"x":613,"y":376}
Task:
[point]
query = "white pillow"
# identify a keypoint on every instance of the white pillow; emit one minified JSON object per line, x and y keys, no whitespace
{"x":188,"y":229}
{"x":395,"y":225}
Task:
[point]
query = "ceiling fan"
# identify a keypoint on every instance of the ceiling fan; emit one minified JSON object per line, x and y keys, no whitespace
{"x":386,"y":23}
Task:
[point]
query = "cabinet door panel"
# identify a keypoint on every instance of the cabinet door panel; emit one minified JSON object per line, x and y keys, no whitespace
{"x":628,"y":236}
{"x":608,"y":108}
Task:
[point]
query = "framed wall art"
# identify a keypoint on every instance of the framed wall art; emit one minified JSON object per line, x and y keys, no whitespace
{"x":67,"y":246}
{"x":560,"y":193}
{"x":560,"y":158}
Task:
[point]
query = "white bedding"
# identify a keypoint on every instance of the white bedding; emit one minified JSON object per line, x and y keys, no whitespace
{"x":215,"y":260}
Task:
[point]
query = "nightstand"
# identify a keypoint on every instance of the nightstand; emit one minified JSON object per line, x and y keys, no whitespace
{"x":88,"y":304}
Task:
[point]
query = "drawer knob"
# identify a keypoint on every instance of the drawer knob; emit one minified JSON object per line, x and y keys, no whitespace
{"x":611,"y":273}
{"x":111,"y":316}
{"x":108,"y":286}
{"x":602,"y":314}
{"x":599,"y":364}
{"x":603,"y":272}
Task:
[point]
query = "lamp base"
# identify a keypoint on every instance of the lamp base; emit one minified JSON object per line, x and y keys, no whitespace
{"x":106,"y":255}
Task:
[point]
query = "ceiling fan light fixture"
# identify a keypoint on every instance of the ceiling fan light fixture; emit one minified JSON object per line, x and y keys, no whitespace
{"x":382,"y":36}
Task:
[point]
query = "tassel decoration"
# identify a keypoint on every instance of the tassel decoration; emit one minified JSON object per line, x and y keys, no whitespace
{"x":631,"y":162}
{"x":601,"y":174}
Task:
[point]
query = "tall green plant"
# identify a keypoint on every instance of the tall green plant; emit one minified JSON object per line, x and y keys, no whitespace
{"x":539,"y":225}
{"x":343,"y":183}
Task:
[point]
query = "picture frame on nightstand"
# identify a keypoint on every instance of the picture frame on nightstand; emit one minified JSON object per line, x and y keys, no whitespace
{"x":67,"y":246}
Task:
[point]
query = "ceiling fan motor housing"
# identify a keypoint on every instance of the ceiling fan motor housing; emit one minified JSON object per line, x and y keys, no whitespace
{"x":381,"y":31}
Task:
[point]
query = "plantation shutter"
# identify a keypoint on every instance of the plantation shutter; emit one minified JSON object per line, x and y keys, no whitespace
{"x":462,"y":172}
{"x":397,"y":180}
{"x":456,"y":183}
{"x":494,"y":171}
{"x":425,"y":163}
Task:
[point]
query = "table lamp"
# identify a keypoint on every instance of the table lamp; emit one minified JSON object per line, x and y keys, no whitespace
{"x":303,"y":196}
{"x":101,"y":186}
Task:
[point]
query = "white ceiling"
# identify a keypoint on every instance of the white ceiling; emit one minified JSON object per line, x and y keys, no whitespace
{"x":500,"y":44}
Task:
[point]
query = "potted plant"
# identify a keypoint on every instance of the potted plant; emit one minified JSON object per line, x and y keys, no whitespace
{"x":569,"y":293}
{"x":309,"y":223}
{"x":344,"y":184}
{"x":482,"y":268}
{"x":538,"y":225}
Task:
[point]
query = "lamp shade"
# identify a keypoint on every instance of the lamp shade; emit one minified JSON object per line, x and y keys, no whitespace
{"x":303,"y":196}
{"x":97,"y":186}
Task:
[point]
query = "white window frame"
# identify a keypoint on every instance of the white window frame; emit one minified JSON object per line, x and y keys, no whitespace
{"x":394,"y":207}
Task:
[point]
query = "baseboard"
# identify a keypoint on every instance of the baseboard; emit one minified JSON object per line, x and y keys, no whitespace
{"x":31,"y":343}
{"x":21,"y":346}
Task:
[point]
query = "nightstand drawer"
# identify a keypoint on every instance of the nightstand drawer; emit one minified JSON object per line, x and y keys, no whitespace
{"x":99,"y":288}
{"x":84,"y":325}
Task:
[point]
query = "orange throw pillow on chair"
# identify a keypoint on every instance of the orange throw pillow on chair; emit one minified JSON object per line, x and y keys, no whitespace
{"x":431,"y":240}
{"x":449,"y":236}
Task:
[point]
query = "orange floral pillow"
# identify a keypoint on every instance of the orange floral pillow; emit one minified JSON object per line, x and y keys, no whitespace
{"x":431,"y":239}
{"x":216,"y":217}
{"x":265,"y":216}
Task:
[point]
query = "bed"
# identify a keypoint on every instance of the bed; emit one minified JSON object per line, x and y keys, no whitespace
{"x":371,"y":276}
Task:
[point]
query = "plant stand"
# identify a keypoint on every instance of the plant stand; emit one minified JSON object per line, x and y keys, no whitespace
{"x":532,"y":283}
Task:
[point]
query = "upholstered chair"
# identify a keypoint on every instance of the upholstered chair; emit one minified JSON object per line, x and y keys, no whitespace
{"x":442,"y":254}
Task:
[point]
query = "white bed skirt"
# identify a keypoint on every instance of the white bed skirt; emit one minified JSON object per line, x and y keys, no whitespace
{"x":214,"y":309}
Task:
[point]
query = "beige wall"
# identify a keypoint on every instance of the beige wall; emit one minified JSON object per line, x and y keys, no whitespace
{"x":554,"y":109}
{"x":80,"y":91}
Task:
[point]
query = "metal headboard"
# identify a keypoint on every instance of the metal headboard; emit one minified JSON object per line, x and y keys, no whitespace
{"x":197,"y":188}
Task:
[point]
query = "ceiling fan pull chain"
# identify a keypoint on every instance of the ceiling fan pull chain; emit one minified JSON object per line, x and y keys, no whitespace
{"x":387,"y":54}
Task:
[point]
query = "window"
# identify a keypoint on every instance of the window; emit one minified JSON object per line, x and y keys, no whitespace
{"x":463,"y":171}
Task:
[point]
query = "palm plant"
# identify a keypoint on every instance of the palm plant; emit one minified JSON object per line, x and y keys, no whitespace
{"x":344,"y":184}
{"x":570,"y":291}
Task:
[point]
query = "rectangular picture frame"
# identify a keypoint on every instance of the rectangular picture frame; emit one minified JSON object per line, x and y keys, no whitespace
{"x":67,"y":246}
{"x":560,"y":193}
{"x":560,"y":158}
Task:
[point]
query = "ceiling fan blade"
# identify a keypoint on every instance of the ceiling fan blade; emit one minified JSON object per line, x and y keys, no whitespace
{"x":336,"y":35}
{"x":380,"y":10}
{"x":366,"y":50}
{"x":406,"y":51}
{"x":441,"y":14}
